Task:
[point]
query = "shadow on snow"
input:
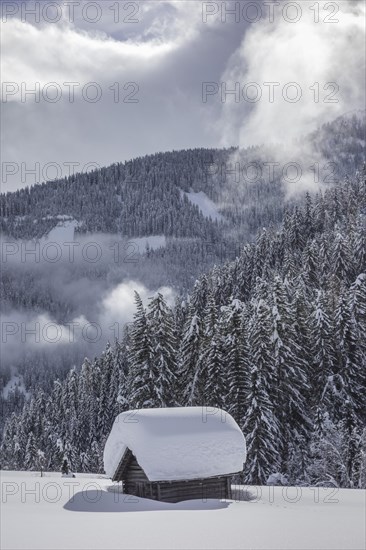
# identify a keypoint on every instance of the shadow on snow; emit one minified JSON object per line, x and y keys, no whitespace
{"x":105,"y":501}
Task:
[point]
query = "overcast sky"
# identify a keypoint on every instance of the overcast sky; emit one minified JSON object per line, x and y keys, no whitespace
{"x":155,"y":55}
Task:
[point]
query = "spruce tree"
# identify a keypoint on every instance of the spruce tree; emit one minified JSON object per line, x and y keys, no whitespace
{"x":190,"y":371}
{"x":322,"y":351}
{"x":214,"y":380}
{"x":291,"y":375}
{"x":349,"y":373}
{"x":236,"y":359}
{"x":30,"y":459}
{"x":260,"y":425}
{"x":142,"y":372}
{"x":163,"y":349}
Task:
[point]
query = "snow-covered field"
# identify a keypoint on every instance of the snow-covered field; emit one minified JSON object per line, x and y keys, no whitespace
{"x":53,"y":513}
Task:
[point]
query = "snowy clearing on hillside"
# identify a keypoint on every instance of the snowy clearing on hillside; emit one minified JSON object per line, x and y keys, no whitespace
{"x":54,"y":512}
{"x":206,"y":205}
{"x":63,"y":232}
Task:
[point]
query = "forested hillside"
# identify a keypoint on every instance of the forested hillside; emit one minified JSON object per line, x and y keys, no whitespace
{"x":143,"y":196}
{"x":276,"y":337}
{"x":154,"y":196}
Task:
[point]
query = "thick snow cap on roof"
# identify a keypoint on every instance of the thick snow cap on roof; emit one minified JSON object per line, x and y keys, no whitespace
{"x":177,"y":443}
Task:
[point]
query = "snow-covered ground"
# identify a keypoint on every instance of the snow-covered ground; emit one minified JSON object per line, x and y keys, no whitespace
{"x":53,"y":512}
{"x":63,"y":232}
{"x":205,"y":204}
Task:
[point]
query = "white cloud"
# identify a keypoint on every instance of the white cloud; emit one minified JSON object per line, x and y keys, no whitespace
{"x":24,"y":332}
{"x":65,"y":51}
{"x":118,"y":305}
{"x":329,"y":55}
{"x":64,"y":54}
{"x":305,"y":53}
{"x":167,"y":54}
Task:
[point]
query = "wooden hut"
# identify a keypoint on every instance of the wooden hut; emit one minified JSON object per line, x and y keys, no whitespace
{"x":175,"y":454}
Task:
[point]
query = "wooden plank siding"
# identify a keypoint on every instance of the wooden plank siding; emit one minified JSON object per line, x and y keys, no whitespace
{"x":135,"y":482}
{"x":122,"y":466}
{"x":175,"y":491}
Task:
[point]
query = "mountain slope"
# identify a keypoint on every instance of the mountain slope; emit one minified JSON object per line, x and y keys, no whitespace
{"x":109,"y":211}
{"x":276,"y":337}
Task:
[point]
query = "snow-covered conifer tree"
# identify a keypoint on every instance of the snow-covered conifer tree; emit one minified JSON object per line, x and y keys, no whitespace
{"x":260,"y":424}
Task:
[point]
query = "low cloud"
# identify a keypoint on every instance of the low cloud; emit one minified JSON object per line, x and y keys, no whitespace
{"x":320,"y":63}
{"x":304,"y":53}
{"x":73,"y":306}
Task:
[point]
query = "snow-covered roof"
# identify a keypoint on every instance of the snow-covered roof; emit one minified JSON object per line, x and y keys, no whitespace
{"x":177,"y":443}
